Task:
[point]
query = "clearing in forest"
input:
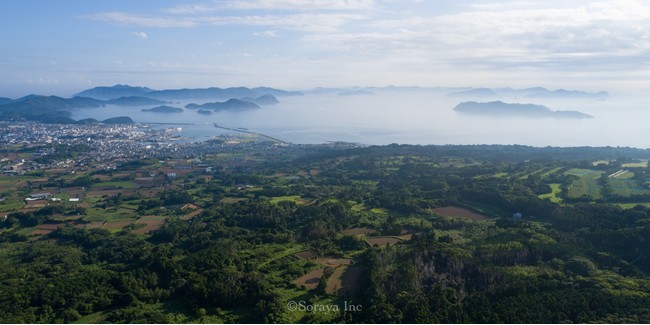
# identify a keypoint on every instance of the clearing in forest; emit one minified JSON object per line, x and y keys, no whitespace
{"x":452,"y":211}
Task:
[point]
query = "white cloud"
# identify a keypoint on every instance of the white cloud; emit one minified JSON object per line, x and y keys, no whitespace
{"x":307,"y":22}
{"x":272,"y":5}
{"x":141,"y":35}
{"x":267,"y":33}
{"x":142,"y":21}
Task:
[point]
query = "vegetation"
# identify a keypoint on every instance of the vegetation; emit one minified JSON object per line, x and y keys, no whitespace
{"x":413,"y":234}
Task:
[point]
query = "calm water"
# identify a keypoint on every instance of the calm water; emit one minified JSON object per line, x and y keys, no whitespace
{"x":416,"y":117}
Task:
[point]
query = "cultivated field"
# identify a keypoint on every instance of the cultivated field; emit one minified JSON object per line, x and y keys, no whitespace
{"x":452,"y":211}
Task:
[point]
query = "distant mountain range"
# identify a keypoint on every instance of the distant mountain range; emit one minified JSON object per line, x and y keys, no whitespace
{"x":501,"y":109}
{"x":535,"y":92}
{"x":54,"y":109}
{"x":187,"y":94}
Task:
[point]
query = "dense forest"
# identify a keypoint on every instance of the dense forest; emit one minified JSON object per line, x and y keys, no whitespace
{"x":411,"y":234}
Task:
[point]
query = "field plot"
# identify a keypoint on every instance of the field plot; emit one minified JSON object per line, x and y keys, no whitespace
{"x":640,"y":164}
{"x":307,"y":255}
{"x":117,"y":225}
{"x":191,"y":215}
{"x":383,"y":240}
{"x":626,"y":187}
{"x":151,"y":223}
{"x":584,"y":173}
{"x":452,"y":211}
{"x":586,"y":185}
{"x":553,"y":196}
{"x":309,"y":280}
{"x":333,"y":261}
{"x":335,"y":282}
{"x":45,"y":229}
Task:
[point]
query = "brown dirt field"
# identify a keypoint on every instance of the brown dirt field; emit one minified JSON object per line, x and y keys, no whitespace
{"x":309,"y":280}
{"x":117,"y":224}
{"x":307,"y":255}
{"x":191,"y":215}
{"x":40,"y":232}
{"x":382,"y":240}
{"x":452,"y":211}
{"x":151,"y":223}
{"x":335,"y":282}
{"x":358,"y":231}
{"x":65,"y":218}
{"x":103,"y":178}
{"x":406,"y":236}
{"x":149,"y":193}
{"x":332,"y":261}
{"x":34,"y":205}
{"x":151,"y":219}
{"x":94,"y":224}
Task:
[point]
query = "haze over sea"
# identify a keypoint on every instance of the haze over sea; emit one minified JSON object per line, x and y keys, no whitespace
{"x":423,"y":116}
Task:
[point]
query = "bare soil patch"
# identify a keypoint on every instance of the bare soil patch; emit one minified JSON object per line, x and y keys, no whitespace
{"x":307,"y":255}
{"x":333,"y":261}
{"x":117,"y":224}
{"x":151,"y":223}
{"x":452,"y":211}
{"x":309,"y":280}
{"x":383,"y":240}
{"x":191,"y":215}
{"x":335,"y":282}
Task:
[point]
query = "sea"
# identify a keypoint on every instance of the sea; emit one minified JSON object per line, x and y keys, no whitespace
{"x":409,"y":117}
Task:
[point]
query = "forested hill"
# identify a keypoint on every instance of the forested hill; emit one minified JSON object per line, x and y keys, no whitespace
{"x":406,"y":234}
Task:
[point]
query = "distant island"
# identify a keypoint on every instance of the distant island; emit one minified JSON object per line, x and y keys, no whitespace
{"x":204,"y":112}
{"x":267,"y":99}
{"x":229,"y":105}
{"x":163,"y":109}
{"x":501,"y":109}
{"x":356,"y":93}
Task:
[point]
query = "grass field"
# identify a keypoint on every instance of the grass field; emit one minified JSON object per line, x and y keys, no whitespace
{"x":121,"y":184}
{"x":586,"y":185}
{"x":626,"y":187}
{"x":553,"y":196}
{"x":584,"y":173}
{"x":641,"y":164}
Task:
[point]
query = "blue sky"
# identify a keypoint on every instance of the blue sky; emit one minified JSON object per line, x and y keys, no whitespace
{"x":61,"y":47}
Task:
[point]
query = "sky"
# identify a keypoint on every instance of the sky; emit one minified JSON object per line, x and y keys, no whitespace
{"x":62,"y":47}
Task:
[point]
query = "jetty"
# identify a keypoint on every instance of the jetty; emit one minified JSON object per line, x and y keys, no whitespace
{"x":243,"y":130}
